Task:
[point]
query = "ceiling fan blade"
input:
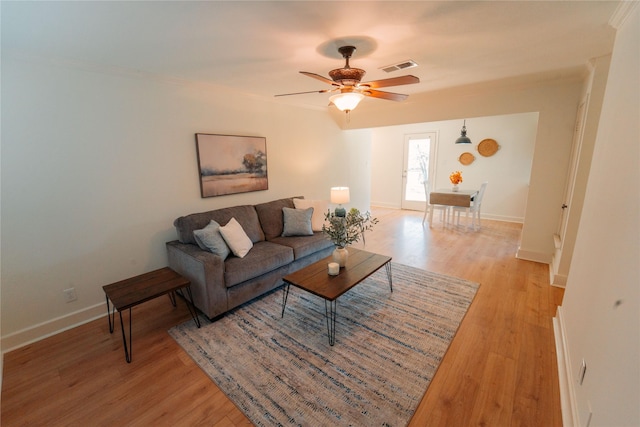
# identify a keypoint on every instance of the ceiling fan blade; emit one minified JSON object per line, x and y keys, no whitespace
{"x":319,"y":77}
{"x":302,"y":93}
{"x":394,"y":81}
{"x":385,"y":95}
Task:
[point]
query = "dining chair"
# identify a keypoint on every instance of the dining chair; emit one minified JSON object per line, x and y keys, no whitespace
{"x":444,"y":210}
{"x":474,"y":209}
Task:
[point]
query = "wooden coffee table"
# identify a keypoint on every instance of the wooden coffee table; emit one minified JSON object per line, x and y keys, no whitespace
{"x":136,"y":290}
{"x":316,"y":280}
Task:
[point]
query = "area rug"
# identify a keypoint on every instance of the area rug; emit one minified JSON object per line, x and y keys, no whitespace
{"x":282,"y":370}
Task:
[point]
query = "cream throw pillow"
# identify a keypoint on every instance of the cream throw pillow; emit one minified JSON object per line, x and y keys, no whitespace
{"x":320,"y":208}
{"x":238,"y":241}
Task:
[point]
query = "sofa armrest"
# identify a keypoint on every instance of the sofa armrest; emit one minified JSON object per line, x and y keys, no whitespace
{"x":206,"y":273}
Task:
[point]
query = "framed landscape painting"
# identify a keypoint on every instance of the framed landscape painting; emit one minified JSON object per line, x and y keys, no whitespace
{"x":231,"y":164}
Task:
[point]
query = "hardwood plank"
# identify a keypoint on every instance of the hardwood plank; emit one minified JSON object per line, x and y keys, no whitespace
{"x":500,"y":368}
{"x":495,"y":396}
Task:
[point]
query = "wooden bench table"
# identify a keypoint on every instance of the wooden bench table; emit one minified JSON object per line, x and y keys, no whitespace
{"x":128,"y":293}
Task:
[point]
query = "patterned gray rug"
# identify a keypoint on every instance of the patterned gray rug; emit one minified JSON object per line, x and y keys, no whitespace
{"x":282,"y":371}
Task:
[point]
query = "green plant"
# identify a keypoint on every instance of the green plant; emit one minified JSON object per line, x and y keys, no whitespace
{"x":343,"y":231}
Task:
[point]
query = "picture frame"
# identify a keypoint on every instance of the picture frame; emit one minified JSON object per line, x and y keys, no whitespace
{"x":230,"y":164}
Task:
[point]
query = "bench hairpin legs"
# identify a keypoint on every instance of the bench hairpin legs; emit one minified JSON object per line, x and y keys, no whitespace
{"x":128,"y":351}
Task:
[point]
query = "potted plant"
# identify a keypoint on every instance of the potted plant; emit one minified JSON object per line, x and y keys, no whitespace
{"x":343,"y":231}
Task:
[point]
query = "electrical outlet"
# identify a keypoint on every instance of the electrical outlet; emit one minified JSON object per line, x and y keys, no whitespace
{"x":70,"y":295}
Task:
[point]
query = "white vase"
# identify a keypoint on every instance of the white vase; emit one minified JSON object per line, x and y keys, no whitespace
{"x":455,"y":188}
{"x":340,"y":255}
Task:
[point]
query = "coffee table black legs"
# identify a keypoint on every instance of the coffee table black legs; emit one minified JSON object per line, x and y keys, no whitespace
{"x":387,"y":267}
{"x":331,"y":305}
{"x":330,"y":308}
{"x":285,"y":295}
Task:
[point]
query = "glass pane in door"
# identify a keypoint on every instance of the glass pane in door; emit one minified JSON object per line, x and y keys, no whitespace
{"x":416,"y":172}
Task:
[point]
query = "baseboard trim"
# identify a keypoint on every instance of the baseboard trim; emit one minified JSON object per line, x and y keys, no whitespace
{"x":503,"y":218}
{"x":533,"y":256}
{"x":385,"y":205}
{"x":557,"y":280}
{"x":51,"y":327}
{"x":567,"y":393}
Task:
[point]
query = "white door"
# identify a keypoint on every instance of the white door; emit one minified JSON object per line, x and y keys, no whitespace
{"x":578,"y":132}
{"x":419,"y":160}
{"x":562,"y":255}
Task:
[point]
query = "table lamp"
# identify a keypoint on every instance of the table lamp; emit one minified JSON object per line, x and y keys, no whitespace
{"x":340,"y":195}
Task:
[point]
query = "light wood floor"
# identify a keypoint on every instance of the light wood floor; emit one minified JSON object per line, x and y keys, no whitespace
{"x":499,"y":371}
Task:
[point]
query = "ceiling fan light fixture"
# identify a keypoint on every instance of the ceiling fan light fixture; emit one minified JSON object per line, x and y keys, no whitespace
{"x":346,"y":83}
{"x":464,"y":139}
{"x":346,"y":101}
{"x":347,"y":76}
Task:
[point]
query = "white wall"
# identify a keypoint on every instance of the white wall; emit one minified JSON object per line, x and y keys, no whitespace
{"x":601,"y":307}
{"x":556,"y":101}
{"x":357,"y":146}
{"x":507,"y":171}
{"x":96,"y":165}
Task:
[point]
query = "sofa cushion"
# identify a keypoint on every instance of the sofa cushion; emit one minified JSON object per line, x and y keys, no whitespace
{"x":305,"y":245}
{"x":238,"y":241}
{"x":271,"y":218}
{"x":210,"y":239}
{"x":263,"y":258}
{"x":297,"y":222}
{"x":246,"y":215}
{"x":320,"y":208}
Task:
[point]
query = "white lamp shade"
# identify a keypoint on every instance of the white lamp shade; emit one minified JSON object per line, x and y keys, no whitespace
{"x":346,"y":101}
{"x":339,"y":195}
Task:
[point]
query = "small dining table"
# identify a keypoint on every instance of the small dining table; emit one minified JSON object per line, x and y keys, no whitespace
{"x":448,"y":197}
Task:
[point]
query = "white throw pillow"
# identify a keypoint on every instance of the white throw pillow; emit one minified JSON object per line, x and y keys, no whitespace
{"x":210,"y":239}
{"x":238,"y":241}
{"x":320,"y":208}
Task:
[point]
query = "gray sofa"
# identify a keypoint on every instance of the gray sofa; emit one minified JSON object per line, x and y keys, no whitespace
{"x":219,"y":285}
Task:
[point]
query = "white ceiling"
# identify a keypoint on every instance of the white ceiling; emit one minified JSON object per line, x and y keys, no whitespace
{"x":259,"y":47}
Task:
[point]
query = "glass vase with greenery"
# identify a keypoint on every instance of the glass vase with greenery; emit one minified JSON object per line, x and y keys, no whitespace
{"x":343,"y":231}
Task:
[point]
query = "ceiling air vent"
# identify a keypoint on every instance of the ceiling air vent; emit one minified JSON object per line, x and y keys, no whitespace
{"x":400,"y":66}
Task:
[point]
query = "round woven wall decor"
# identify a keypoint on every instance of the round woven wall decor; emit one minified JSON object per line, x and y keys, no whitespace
{"x":466,"y":158}
{"x":488,"y":147}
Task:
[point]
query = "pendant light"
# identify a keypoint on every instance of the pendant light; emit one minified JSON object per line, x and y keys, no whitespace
{"x":463,"y":135}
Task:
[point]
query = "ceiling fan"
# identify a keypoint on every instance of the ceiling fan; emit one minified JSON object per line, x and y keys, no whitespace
{"x":348,"y":89}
